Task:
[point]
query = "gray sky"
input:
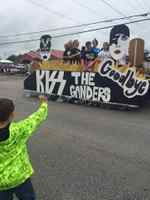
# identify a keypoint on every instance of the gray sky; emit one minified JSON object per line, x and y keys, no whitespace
{"x":19,"y":16}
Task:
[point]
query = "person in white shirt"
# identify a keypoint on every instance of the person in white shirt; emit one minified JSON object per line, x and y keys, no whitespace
{"x":104,"y":53}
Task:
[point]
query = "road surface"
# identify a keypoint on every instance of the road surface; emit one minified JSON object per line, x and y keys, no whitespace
{"x":86,"y":153}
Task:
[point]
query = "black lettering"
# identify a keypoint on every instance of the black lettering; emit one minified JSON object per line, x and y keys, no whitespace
{"x":106,"y":67}
{"x":112,"y":73}
{"x":124,"y":78}
{"x":142,"y":87}
{"x":116,"y":76}
{"x":130,"y":83}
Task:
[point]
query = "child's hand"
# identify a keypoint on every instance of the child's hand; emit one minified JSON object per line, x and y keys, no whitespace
{"x":43,"y":99}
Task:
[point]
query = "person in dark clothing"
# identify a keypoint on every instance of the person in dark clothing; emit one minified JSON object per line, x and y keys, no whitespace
{"x":88,"y":57}
{"x":82,"y":53}
{"x":88,"y":51}
{"x":82,"y":56}
{"x":67,"y":53}
{"x":75,"y":53}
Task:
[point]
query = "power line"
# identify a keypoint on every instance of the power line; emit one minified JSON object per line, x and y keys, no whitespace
{"x":101,"y":28}
{"x":113,"y":8}
{"x":93,"y":11}
{"x":77,"y":26}
{"x":74,"y":33}
{"x":135,"y":7}
{"x":40,"y":5}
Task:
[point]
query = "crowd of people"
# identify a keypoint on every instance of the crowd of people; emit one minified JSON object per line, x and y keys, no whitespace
{"x":87,"y":55}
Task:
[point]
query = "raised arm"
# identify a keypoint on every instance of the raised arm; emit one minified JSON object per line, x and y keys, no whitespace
{"x":27,"y":126}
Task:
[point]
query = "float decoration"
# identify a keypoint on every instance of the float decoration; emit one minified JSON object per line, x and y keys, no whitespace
{"x":116,"y":78}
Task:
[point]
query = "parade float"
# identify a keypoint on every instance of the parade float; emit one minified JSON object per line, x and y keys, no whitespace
{"x":116,"y":76}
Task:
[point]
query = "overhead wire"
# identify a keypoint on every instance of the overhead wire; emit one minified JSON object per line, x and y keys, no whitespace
{"x":91,"y":10}
{"x":74,"y":33}
{"x":40,"y":5}
{"x":113,"y":8}
{"x":77,"y":26}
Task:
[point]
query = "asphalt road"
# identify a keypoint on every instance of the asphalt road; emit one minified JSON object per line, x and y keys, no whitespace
{"x":86,"y":153}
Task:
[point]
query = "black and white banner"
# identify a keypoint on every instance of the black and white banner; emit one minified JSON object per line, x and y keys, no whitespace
{"x":108,"y":85}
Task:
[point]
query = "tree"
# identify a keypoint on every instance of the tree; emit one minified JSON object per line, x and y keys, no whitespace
{"x":13,"y":58}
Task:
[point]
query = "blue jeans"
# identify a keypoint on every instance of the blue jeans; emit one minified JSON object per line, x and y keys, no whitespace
{"x":24,"y":191}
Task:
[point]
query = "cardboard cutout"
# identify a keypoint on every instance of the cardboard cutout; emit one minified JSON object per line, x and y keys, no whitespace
{"x":119,"y":38}
{"x":45,"y":46}
{"x":136,"y":52}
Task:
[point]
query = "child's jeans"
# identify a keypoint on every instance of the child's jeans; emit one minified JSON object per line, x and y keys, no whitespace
{"x":24,"y":191}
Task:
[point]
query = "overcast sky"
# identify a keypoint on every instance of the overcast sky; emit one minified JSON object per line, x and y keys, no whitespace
{"x":19,"y":16}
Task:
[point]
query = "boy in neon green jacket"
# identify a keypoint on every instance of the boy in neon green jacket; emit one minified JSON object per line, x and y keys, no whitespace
{"x":15,"y":167}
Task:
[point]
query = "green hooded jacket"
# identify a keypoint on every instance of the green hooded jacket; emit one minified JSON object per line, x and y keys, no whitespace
{"x":15,"y":166}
